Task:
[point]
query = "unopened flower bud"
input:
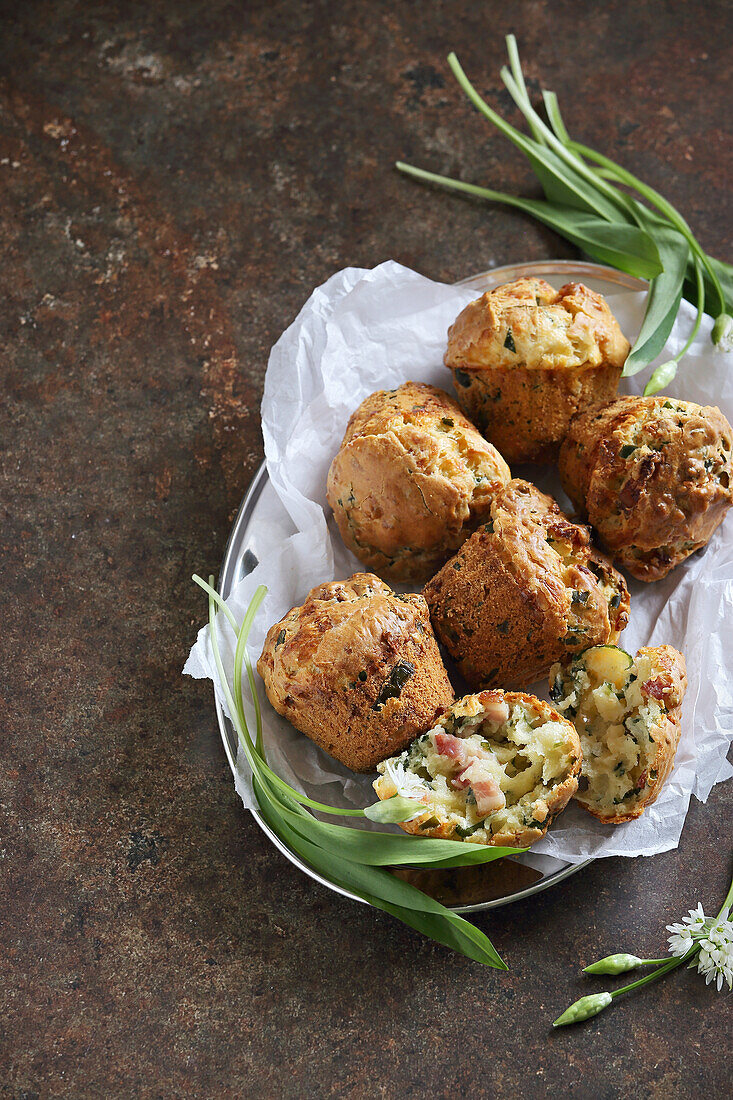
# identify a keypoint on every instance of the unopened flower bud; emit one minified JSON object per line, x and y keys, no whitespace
{"x":613,"y":964}
{"x":723,"y":331}
{"x":662,"y":376}
{"x":584,"y":1009}
{"x":394,"y":809}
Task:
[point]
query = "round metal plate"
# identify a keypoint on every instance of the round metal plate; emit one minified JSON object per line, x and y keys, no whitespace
{"x":463,"y":890}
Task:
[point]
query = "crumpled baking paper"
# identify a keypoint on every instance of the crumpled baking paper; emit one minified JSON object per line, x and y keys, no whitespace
{"x":365,"y":330}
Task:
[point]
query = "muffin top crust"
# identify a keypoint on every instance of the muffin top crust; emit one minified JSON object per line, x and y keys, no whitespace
{"x":527,"y":589}
{"x":338,"y":629}
{"x":357,"y":669}
{"x":529,"y":324}
{"x":653,"y":475}
{"x":411,"y":480}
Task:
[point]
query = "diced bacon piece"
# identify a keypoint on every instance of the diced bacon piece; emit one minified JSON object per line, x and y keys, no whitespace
{"x":566,"y":531}
{"x":448,"y":745}
{"x":471,"y":772}
{"x":488,"y":793}
{"x":641,"y":781}
{"x":495,"y":708}
{"x":462,"y":751}
{"x":489,"y":796}
{"x":657,"y":688}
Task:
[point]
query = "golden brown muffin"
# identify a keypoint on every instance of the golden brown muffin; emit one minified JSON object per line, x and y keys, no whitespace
{"x":357,"y":669}
{"x":652,"y":475}
{"x":526,"y":358}
{"x":412,"y":479}
{"x":526,"y":590}
{"x":627,"y":712}
{"x":495,"y":769}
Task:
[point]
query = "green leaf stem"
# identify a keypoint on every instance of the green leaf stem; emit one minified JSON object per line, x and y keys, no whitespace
{"x":356,"y":860}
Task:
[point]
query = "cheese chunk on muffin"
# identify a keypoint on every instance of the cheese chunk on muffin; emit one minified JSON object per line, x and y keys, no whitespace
{"x":526,"y":590}
{"x":495,"y":769}
{"x":652,"y":475}
{"x":526,"y":358}
{"x":357,"y":669}
{"x":411,"y":481}
{"x":627,"y":713}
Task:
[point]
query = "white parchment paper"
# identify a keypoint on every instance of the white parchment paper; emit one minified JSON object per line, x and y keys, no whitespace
{"x":366,"y":330}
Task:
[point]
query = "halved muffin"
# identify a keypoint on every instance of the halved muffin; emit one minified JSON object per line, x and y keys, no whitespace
{"x":411,"y":480}
{"x":526,"y":358}
{"x":526,"y":590}
{"x":627,"y":713}
{"x":357,"y":669}
{"x":495,"y":769}
{"x":653,"y":476}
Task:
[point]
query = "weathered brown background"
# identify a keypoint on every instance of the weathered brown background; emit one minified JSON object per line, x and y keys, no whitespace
{"x":176,"y":177}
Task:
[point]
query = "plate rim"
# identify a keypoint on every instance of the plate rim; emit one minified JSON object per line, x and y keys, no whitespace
{"x":507,"y":272}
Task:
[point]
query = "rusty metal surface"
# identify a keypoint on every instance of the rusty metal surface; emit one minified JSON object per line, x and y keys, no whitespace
{"x":175,"y":178}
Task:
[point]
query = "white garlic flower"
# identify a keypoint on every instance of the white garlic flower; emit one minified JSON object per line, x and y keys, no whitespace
{"x":406,"y":782}
{"x":714,"y":935}
{"x":684,"y":934}
{"x":715,"y":960}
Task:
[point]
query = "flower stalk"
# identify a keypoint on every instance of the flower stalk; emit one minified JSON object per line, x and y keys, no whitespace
{"x":707,"y":939}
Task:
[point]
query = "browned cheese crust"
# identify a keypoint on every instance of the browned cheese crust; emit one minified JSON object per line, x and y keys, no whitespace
{"x":411,"y":481}
{"x":526,"y":358}
{"x":551,"y":805}
{"x":526,"y":590}
{"x":357,"y":669}
{"x":652,"y":475}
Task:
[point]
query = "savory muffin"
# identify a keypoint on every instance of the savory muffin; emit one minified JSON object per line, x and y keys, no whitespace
{"x":652,"y":475}
{"x":357,"y":669}
{"x":411,"y":480}
{"x":526,"y":358}
{"x":627,"y":712}
{"x":495,"y":769}
{"x":526,"y":590}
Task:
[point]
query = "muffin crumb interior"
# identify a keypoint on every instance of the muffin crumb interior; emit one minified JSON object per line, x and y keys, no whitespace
{"x":487,"y":773}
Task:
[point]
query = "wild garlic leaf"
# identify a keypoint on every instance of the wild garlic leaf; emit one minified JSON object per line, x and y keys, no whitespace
{"x":549,"y":167}
{"x":552,"y":107}
{"x":299,"y":831}
{"x":572,"y":176}
{"x":564,"y":186}
{"x":393,"y":849}
{"x":385,"y":891}
{"x":454,"y":932}
{"x":724,"y":273}
{"x":663,"y":302}
{"x":626,"y":247}
{"x":575,"y":176}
